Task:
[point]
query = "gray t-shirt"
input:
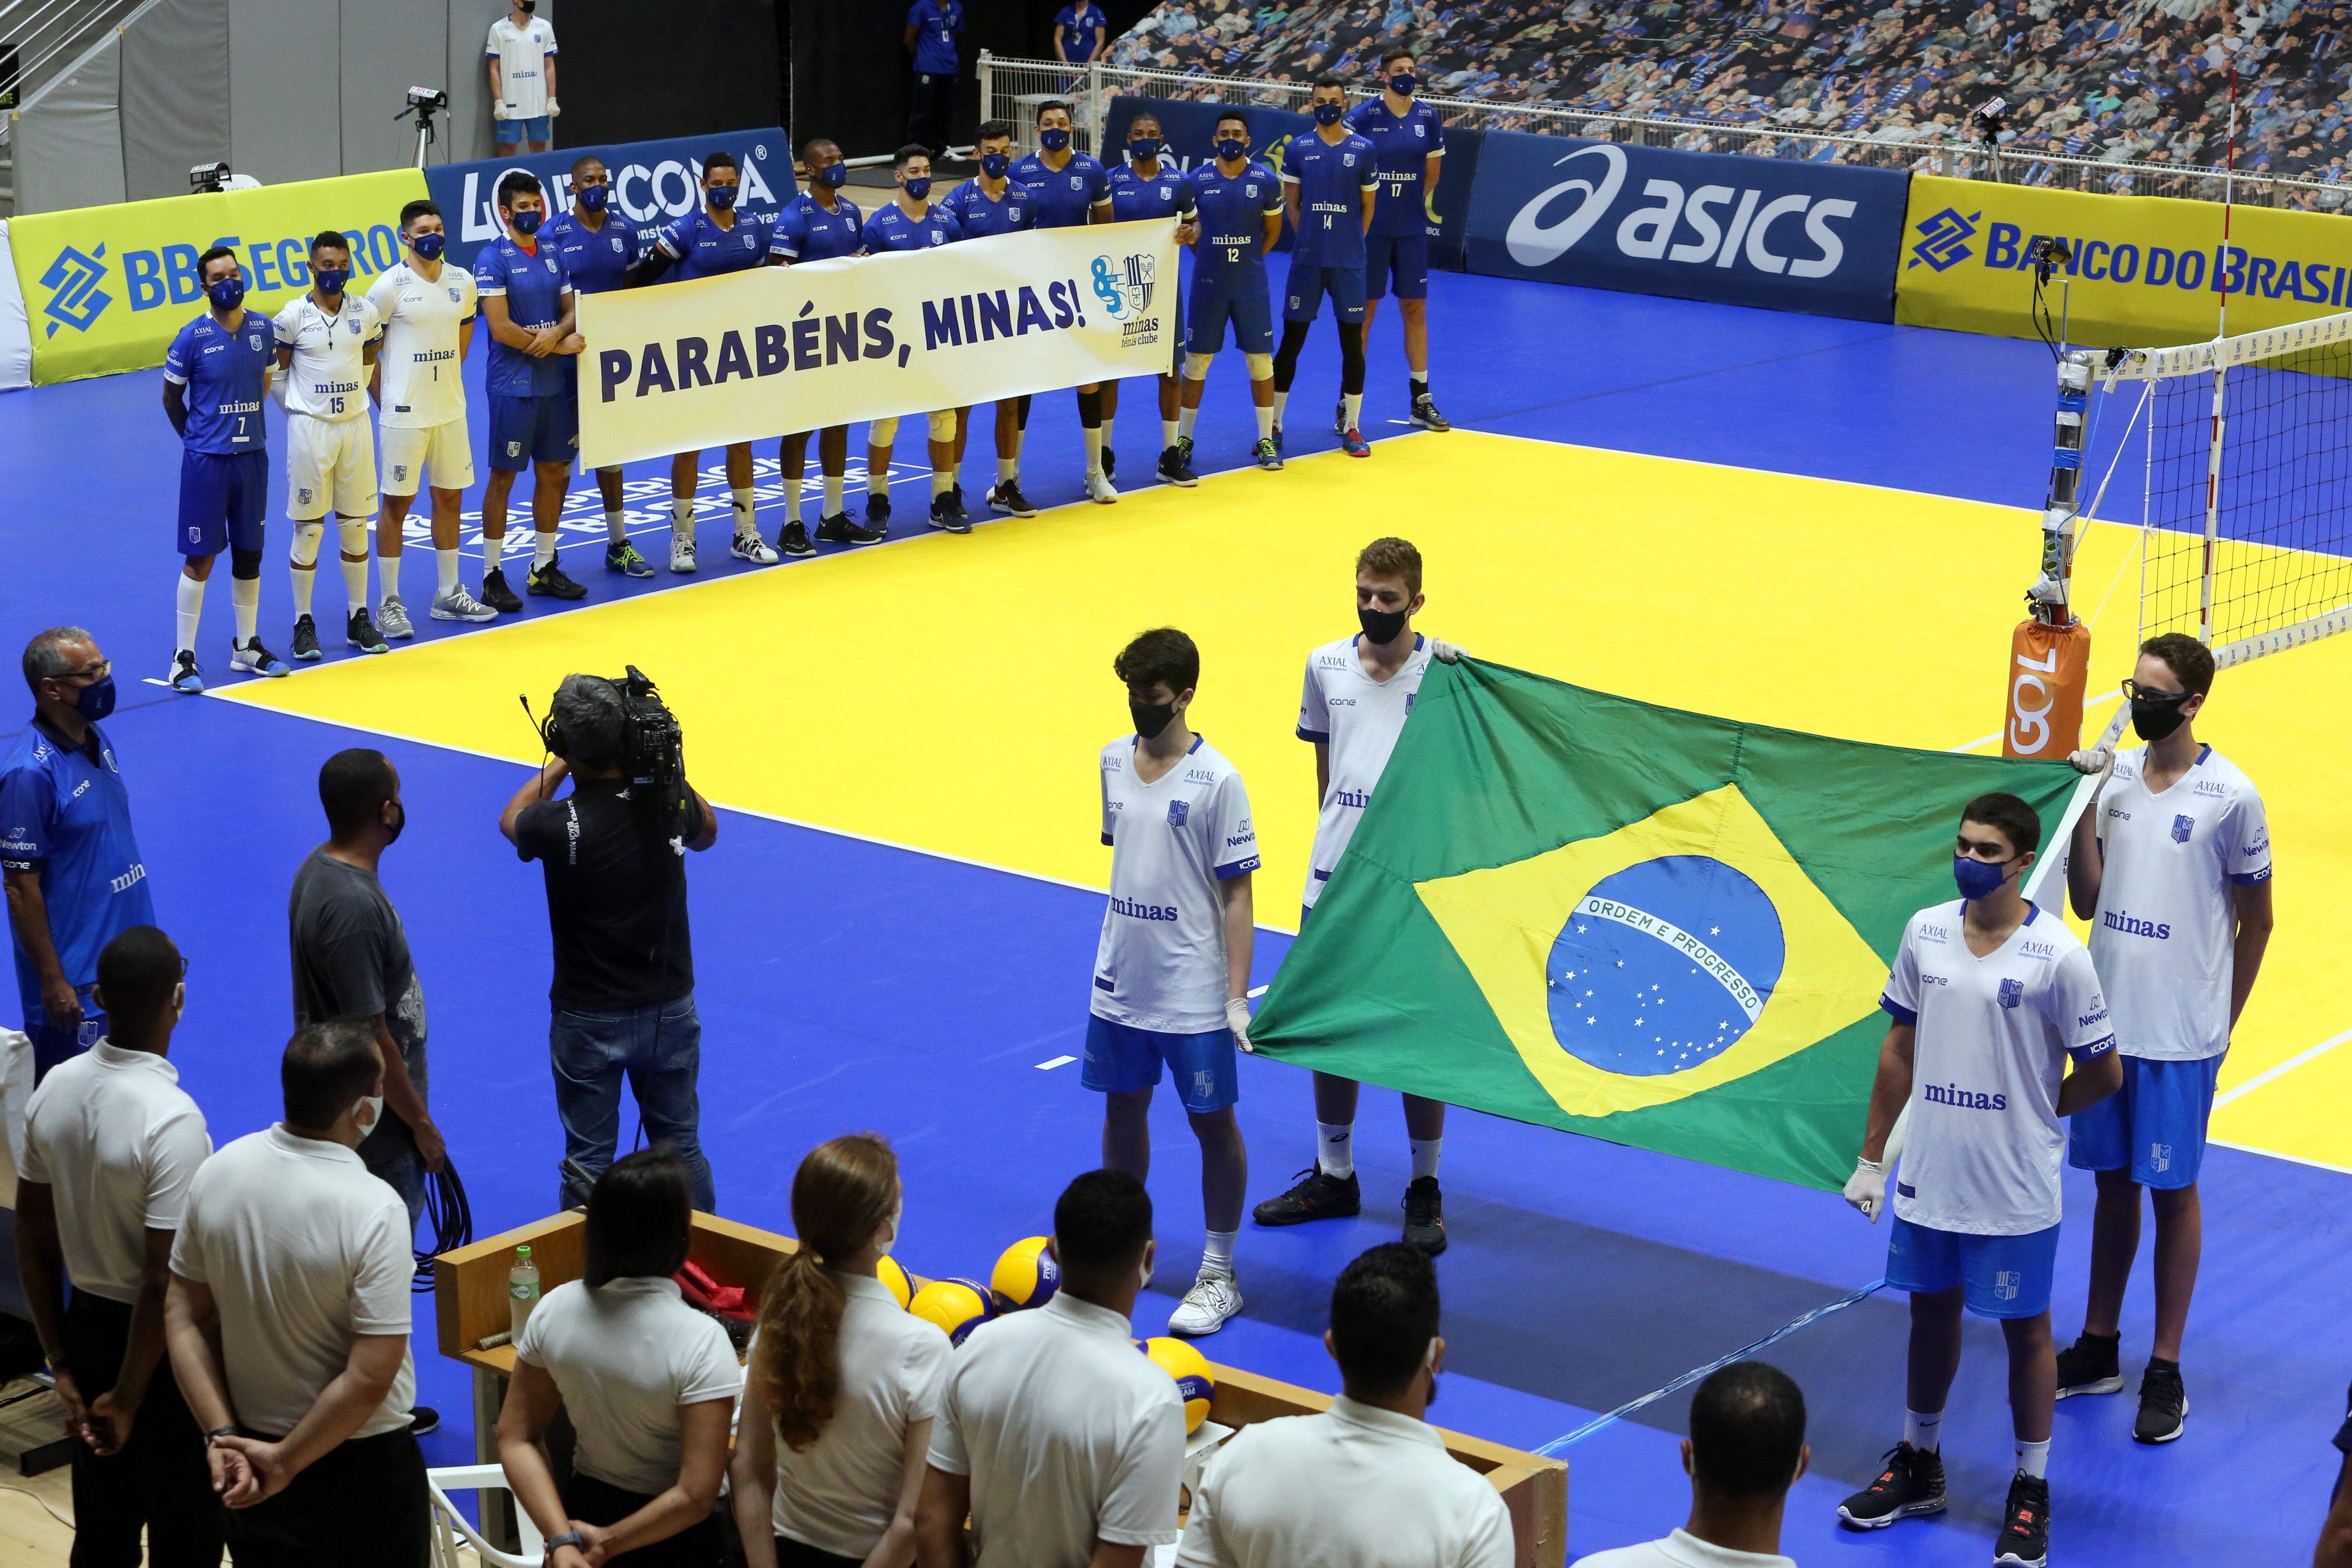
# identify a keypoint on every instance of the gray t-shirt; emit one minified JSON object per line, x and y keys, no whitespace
{"x":351,"y":955}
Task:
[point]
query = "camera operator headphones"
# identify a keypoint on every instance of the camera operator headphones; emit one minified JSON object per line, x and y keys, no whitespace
{"x":551,"y":733}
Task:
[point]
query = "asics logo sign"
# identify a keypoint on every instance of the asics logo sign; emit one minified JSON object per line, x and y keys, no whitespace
{"x":1692,"y":223}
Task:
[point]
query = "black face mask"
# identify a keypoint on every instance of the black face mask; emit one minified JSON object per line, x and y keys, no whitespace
{"x":1381,"y":626}
{"x":1150,"y":717}
{"x":393,"y":832}
{"x":2153,"y":718}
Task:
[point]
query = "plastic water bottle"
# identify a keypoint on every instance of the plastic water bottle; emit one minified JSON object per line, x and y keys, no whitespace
{"x":522,"y":1292}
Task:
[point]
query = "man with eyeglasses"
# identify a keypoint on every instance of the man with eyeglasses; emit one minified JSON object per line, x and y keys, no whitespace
{"x":74,"y":877}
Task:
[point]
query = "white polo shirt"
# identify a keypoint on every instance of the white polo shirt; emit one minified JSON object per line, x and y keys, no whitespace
{"x":2165,"y":936}
{"x":1068,"y":1433}
{"x":1352,"y":1487}
{"x":305,"y":1249}
{"x":118,"y":1140}
{"x":327,"y":379}
{"x":422,"y":382}
{"x":839,"y":1494}
{"x":522,"y":53}
{"x":1994,"y":1035}
{"x":1359,"y":718}
{"x":625,"y":1356}
{"x":1175,"y":842}
{"x":1683,"y":1550}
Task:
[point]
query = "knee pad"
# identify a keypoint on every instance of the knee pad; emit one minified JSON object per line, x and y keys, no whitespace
{"x":308,"y":532}
{"x":882,"y":432}
{"x":1196,"y":366}
{"x":354,"y":532}
{"x":943,"y":425}
{"x":244,"y":563}
{"x":1261,"y":367}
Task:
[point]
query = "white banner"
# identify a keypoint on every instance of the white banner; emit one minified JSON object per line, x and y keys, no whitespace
{"x":686,"y":366}
{"x":15,"y":331}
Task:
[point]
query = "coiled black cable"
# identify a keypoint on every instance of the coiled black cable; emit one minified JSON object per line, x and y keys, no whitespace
{"x":448,"y":1218}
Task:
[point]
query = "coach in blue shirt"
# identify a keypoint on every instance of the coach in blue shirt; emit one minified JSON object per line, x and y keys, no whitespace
{"x":933,"y":28}
{"x":75,"y":879}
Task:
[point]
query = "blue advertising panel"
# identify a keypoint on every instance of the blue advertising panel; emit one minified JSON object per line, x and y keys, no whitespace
{"x":1775,"y":232}
{"x":1190,"y":131}
{"x":652,"y":182}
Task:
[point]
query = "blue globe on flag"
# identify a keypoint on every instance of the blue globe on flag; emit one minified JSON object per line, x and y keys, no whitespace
{"x":1662,"y":966}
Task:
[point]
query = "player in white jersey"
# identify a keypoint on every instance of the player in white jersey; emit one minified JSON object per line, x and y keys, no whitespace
{"x":1171,"y":973}
{"x":1989,"y":996}
{"x":327,"y":342}
{"x":1359,"y":691}
{"x":521,"y":54}
{"x":427,"y":308}
{"x":2171,"y":866}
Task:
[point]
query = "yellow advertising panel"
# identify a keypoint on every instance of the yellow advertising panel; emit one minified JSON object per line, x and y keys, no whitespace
{"x":2148,"y":271}
{"x":107,"y":287}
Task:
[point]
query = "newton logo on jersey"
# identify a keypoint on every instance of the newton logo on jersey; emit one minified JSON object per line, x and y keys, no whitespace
{"x":75,"y":298}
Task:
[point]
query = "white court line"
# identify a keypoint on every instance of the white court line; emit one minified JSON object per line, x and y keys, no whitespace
{"x":2284,"y":1067}
{"x":1056,"y":1062}
{"x":2290,"y":1159}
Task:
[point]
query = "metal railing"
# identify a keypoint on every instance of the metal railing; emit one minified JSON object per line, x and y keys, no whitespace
{"x":1011,"y":88}
{"x":47,"y":39}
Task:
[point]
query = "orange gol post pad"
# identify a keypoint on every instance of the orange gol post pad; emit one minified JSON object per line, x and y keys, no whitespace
{"x":2048,"y":669}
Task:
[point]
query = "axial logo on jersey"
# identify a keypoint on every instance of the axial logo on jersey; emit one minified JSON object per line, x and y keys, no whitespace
{"x":75,"y":298}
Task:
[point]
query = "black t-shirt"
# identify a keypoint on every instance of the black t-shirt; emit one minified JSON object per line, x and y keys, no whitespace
{"x":351,"y":955}
{"x":616,"y":897}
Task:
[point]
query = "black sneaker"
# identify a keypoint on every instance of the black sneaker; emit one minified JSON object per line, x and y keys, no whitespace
{"x":947,"y":513}
{"x":1174,"y":466}
{"x":548,"y":582}
{"x":1005,"y":496}
{"x":793,"y":540}
{"x":306,"y":639}
{"x":362,"y":633}
{"x":1316,"y":1196}
{"x":1424,"y":1216}
{"x":497,"y":595}
{"x":2090,"y":1365}
{"x":1425,"y":414}
{"x":877,"y":512}
{"x":2163,"y":1405}
{"x":2025,"y":1540}
{"x":422,"y":1418}
{"x":1912,"y":1484}
{"x":842,"y":529}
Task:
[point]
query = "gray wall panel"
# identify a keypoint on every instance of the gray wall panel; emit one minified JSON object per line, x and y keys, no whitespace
{"x":285,"y":83}
{"x":387,"y":49}
{"x":175,"y":95}
{"x":69,"y":146}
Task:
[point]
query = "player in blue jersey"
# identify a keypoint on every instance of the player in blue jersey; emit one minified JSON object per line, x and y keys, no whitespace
{"x":1239,"y":206}
{"x":819,"y":225}
{"x":1409,"y":142}
{"x":912,"y":221}
{"x":991,"y":202}
{"x":711,"y":241}
{"x":1071,"y":189}
{"x":1146,"y":185}
{"x":216,"y":377}
{"x":597,"y":249}
{"x":528,"y":302}
{"x":1328,"y":179}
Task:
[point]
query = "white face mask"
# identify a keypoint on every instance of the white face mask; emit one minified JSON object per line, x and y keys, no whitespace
{"x":368,"y":1111}
{"x":885,"y":1245}
{"x":179,"y":1003}
{"x":1143,"y":1273}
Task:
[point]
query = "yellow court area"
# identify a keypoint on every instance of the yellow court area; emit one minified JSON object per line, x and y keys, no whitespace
{"x":950,"y":694}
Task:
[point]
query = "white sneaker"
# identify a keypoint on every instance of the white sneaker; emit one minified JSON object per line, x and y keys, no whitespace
{"x":681,"y":552}
{"x":1212,"y":1299}
{"x":752,"y":548}
{"x":1099,"y":489}
{"x":391,"y":620}
{"x":457,"y":606}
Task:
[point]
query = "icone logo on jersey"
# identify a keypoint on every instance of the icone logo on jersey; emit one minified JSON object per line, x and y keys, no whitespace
{"x":1745,"y":228}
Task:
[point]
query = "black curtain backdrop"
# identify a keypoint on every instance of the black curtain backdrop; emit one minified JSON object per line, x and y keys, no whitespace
{"x":708,"y":66}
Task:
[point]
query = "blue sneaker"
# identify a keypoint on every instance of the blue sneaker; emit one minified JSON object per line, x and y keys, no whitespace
{"x":1355,"y":446}
{"x":947,"y":514}
{"x":254,"y":659}
{"x":185,"y":675}
{"x":1277,"y":434}
{"x":1268,"y":455}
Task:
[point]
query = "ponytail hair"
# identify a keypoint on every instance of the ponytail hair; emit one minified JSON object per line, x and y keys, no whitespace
{"x":844,"y":1192}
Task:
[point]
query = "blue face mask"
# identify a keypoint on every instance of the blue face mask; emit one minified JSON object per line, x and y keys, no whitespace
{"x":227,"y":293}
{"x":593,"y":197}
{"x":993,"y":165}
{"x":428,"y":247}
{"x":1329,"y":113}
{"x":330,"y":280}
{"x":96,"y":701}
{"x":1143,"y":148}
{"x":1403,"y":84}
{"x":919,"y":186}
{"x":1053,"y":137}
{"x":1231,"y":151}
{"x":721,"y":197}
{"x":1978,"y":879}
{"x":833,"y":175}
{"x":525,"y":224}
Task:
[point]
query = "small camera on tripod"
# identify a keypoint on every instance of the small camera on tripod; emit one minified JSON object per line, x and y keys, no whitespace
{"x":1988,"y":117}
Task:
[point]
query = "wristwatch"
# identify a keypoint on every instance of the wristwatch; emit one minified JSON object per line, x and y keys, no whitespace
{"x":569,"y":1538}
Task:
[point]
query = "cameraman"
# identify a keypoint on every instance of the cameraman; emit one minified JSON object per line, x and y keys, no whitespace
{"x":623,"y":989}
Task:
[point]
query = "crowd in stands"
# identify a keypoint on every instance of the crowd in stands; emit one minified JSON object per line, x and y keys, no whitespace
{"x":2140,"y":81}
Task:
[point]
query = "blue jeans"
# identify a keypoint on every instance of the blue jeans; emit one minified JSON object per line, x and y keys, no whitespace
{"x":659,"y":1050}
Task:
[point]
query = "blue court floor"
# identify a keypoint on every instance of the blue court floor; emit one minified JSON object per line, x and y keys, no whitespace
{"x":846,"y":983}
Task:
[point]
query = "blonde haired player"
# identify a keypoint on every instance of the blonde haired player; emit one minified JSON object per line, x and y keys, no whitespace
{"x":428,"y":308}
{"x":326,"y":342}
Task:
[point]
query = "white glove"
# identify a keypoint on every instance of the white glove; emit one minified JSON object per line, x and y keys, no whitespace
{"x":1237,"y":1019}
{"x":1443,"y":652}
{"x":2099,"y":760}
{"x":1866,"y":1188}
{"x":553,"y":108}
{"x":501,"y":109}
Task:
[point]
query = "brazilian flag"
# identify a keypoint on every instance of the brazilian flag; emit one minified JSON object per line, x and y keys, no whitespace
{"x":1649,"y":926}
